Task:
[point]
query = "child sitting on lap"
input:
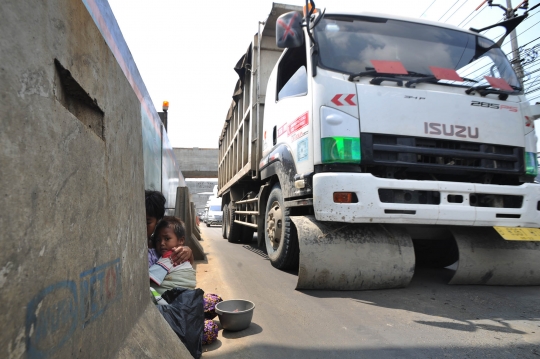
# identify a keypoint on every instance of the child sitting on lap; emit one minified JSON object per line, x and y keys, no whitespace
{"x":170,"y":234}
{"x":155,"y":210}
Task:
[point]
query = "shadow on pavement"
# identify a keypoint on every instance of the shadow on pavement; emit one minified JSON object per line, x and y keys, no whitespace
{"x":429,"y":294}
{"x":253,"y":329}
{"x":211,"y":347}
{"x":412,"y":352}
{"x":470,"y":327}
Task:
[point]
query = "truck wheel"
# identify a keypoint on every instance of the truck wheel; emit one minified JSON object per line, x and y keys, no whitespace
{"x":224,"y":222}
{"x":234,"y":230}
{"x":435,"y":253}
{"x":280,"y":233}
{"x":207,"y":224}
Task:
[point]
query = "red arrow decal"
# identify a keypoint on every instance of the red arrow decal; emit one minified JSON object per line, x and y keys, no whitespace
{"x":349,"y":100}
{"x":335,"y":100}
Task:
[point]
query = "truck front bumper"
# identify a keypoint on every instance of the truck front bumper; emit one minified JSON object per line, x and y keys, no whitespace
{"x":370,"y":208}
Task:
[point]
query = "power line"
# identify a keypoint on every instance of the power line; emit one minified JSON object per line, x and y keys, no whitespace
{"x":485,"y":34}
{"x":481,"y":71}
{"x":472,"y":12}
{"x":524,"y":30}
{"x":468,"y":22}
{"x":449,"y":9}
{"x":532,"y":72}
{"x":532,"y":91}
{"x":428,"y":8}
{"x":456,"y":11}
{"x":529,"y":67}
{"x":477,"y":77}
{"x":498,"y":37}
{"x":507,"y":54}
{"x":530,"y":42}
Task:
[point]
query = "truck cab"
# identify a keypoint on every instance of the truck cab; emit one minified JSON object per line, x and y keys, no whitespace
{"x":417,"y":120}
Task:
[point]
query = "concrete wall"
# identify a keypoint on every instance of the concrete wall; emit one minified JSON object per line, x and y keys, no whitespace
{"x":73,"y":264}
{"x":197,"y":162}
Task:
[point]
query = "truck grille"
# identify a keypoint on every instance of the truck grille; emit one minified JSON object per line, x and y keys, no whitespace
{"x":440,"y":156}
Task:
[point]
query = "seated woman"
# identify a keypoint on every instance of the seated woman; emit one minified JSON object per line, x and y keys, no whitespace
{"x":164,"y":275}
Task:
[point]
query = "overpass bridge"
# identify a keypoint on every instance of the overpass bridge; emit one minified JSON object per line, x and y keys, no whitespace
{"x":199,"y":167}
{"x":197,"y":162}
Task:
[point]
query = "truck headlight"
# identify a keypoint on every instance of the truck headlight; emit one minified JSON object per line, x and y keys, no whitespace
{"x":340,"y":149}
{"x":531,"y":164}
{"x":340,"y":137}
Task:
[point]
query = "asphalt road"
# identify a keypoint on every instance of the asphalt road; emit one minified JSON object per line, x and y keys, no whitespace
{"x":428,"y":319}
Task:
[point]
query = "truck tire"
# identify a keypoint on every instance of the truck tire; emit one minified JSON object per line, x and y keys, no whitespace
{"x":435,"y":253}
{"x":280,"y":233}
{"x":207,"y":224}
{"x":234,"y":230}
{"x":224,"y":222}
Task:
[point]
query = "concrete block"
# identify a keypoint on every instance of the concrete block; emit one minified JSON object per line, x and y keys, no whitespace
{"x":182,"y":195}
{"x":194,"y":226}
{"x":141,"y":342}
{"x":183,"y":212}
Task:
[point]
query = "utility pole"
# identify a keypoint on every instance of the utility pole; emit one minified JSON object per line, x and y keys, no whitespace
{"x":516,"y":61}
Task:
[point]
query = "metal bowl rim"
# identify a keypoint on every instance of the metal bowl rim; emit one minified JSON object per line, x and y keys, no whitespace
{"x":242,"y":311}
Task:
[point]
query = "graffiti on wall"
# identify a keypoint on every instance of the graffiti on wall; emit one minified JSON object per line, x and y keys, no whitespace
{"x":54,"y":314}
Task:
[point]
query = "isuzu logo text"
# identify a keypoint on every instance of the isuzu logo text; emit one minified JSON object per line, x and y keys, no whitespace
{"x":434,"y":128}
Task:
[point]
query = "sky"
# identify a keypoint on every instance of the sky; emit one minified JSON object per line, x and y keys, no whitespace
{"x":186,"y":51}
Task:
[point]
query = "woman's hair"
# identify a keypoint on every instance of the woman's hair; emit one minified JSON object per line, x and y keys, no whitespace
{"x":154,"y":202}
{"x":173,"y":223}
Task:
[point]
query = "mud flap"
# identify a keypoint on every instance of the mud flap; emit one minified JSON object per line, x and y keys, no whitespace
{"x":486,"y":258}
{"x":346,"y":256}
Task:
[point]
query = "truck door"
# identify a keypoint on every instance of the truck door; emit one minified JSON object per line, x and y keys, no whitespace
{"x":288,"y":108}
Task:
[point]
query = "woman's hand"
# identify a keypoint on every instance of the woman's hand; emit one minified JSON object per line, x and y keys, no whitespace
{"x":181,"y":255}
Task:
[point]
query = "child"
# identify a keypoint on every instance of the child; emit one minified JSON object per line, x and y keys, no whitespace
{"x":170,"y":234}
{"x":155,"y":210}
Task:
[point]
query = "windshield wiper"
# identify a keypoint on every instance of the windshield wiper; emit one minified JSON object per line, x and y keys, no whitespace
{"x":362,"y":74}
{"x":433,"y":79}
{"x":418,"y":74}
{"x":372,"y":72}
{"x":487,"y":89}
{"x":420,"y":77}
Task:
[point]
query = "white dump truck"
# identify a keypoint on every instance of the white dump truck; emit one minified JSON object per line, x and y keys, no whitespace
{"x":358,"y":146}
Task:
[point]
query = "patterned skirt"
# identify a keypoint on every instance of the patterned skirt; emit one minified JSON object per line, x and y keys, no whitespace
{"x":210,"y":332}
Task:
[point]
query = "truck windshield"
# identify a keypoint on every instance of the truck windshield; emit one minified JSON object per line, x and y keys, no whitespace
{"x":348,"y":44}
{"x":215,"y":208}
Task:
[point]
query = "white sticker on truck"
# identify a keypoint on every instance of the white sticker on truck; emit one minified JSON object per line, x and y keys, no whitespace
{"x":302,"y":150}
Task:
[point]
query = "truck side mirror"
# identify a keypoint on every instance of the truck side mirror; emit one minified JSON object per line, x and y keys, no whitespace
{"x":289,"y":32}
